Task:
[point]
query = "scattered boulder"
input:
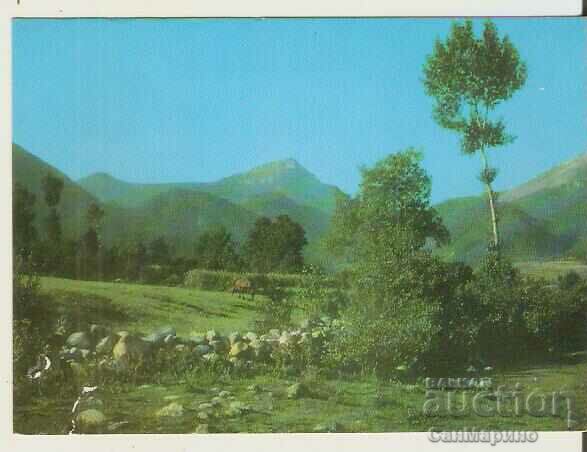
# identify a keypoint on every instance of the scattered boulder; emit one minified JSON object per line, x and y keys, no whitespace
{"x":261,"y":349}
{"x":174,"y":409}
{"x":79,"y":339}
{"x":234,"y":337}
{"x":91,"y":419}
{"x":250,"y":336}
{"x":202,"y":349}
{"x":161,"y":335}
{"x":98,"y":331}
{"x":197,"y":339}
{"x":238,"y":349}
{"x":106,"y":344}
{"x":129,"y":349}
{"x":219,"y":345}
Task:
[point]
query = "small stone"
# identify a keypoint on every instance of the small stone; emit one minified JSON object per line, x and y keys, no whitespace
{"x":91,"y":418}
{"x":79,"y":340}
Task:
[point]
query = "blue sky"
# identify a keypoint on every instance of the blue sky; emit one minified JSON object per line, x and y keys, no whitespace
{"x":196,"y":100}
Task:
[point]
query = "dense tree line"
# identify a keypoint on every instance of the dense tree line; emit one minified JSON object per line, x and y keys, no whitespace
{"x":273,"y":245}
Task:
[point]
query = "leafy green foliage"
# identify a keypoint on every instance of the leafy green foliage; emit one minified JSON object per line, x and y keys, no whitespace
{"x":468,"y":77}
{"x":275,"y":245}
{"x":316,"y":295}
{"x":215,"y":250}
{"x":24,"y":232}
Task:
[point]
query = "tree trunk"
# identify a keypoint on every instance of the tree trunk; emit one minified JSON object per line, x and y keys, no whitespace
{"x":491,"y":197}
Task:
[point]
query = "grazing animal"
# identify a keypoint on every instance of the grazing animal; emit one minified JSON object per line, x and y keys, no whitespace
{"x":242,"y":287}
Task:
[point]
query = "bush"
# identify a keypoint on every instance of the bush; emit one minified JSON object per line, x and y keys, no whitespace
{"x":317,"y":297}
{"x":557,"y":316}
{"x":275,"y":310}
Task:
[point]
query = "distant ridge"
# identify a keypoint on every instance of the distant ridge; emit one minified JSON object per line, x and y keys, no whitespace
{"x":544,"y":218}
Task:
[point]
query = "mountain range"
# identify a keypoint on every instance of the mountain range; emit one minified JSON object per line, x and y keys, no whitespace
{"x":544,"y":218}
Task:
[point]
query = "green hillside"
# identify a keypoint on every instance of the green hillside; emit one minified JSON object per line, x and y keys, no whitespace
{"x":178,"y":215}
{"x":541,"y":219}
{"x":287,"y":178}
{"x":29,"y":171}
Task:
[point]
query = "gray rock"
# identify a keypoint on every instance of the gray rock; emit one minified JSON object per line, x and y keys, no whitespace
{"x":198,"y":340}
{"x":202,"y":350}
{"x":106,"y":344}
{"x":219,"y":345}
{"x":80,"y":340}
{"x":212,"y":335}
{"x":98,"y":331}
{"x":174,"y":409}
{"x":159,"y":336}
{"x":250,"y":336}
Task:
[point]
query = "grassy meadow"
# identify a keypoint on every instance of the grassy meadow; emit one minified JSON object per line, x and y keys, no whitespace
{"x":331,"y":405}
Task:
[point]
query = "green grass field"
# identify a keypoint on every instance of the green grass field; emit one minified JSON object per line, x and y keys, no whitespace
{"x":143,"y":308}
{"x":348,"y":405}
